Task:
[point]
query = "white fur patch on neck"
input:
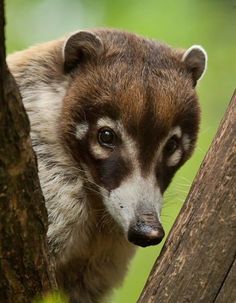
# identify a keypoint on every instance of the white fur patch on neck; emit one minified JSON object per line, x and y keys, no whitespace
{"x":81,"y":130}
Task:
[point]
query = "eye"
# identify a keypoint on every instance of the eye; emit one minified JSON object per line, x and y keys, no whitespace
{"x":172,"y":145}
{"x":106,"y":137}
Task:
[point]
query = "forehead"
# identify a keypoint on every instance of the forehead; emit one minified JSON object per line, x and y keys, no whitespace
{"x":140,"y":82}
{"x":151,"y":100}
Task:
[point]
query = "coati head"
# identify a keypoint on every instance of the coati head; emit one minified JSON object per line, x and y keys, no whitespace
{"x":130,"y":119}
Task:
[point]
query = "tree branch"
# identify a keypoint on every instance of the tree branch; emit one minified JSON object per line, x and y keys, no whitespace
{"x":24,"y":270}
{"x":197,"y":262}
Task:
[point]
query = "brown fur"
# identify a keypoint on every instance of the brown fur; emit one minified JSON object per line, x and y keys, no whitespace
{"x":149,"y":90}
{"x":145,"y":81}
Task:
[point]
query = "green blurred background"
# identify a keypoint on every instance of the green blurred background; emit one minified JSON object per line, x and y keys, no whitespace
{"x":211,"y":23}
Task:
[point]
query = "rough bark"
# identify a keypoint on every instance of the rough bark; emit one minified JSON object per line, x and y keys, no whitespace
{"x":24,"y":271}
{"x":198,"y":260}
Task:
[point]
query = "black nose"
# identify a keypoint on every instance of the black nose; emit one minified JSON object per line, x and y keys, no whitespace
{"x":145,"y":234}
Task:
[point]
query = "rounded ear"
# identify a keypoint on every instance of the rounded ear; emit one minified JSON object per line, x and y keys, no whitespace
{"x":195,"y":59}
{"x":80,"y":47}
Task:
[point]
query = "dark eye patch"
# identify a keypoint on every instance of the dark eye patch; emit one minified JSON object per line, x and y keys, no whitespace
{"x":172,"y":145}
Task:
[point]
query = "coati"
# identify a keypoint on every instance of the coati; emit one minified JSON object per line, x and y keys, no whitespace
{"x":113,"y":117}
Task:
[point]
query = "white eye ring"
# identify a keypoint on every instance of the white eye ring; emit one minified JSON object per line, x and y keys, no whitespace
{"x":175,"y":158}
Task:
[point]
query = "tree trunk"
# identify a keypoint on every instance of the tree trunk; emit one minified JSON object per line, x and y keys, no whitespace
{"x":198,"y":260}
{"x":24,"y":270}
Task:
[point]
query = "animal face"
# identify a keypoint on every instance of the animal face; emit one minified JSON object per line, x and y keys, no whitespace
{"x":130,"y":120}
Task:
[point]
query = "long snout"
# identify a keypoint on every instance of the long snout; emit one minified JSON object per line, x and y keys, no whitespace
{"x":146,"y":230}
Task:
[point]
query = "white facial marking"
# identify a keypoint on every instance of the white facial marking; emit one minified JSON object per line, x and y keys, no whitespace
{"x":175,"y":158}
{"x":99,"y":152}
{"x":96,"y":149}
{"x":134,"y":194}
{"x":175,"y":132}
{"x":81,"y":130}
{"x":186,"y":142}
{"x":106,"y":121}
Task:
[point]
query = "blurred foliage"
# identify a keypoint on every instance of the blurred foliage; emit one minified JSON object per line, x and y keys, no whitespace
{"x":53,"y":298}
{"x":180,"y":24}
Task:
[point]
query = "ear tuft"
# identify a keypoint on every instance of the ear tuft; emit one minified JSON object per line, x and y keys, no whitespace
{"x":80,"y":47}
{"x":195,"y":59}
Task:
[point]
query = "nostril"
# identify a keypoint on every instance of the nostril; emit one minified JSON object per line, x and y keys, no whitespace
{"x":146,"y":235}
{"x":159,"y":233}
